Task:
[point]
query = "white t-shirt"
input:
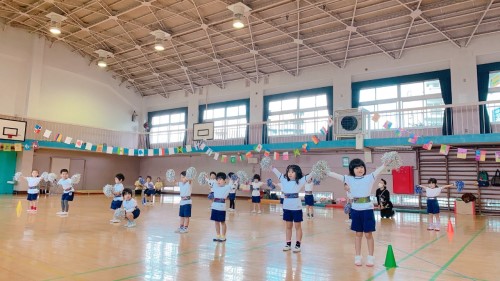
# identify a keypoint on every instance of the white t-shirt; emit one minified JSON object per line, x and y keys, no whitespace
{"x":185,"y":190}
{"x":290,"y":187}
{"x":33,"y":184}
{"x":150,"y":185}
{"x":432,"y":192}
{"x":221,"y":192}
{"x":66,"y":184}
{"x":118,"y":188}
{"x":234,"y":186}
{"x":360,"y":187}
{"x":309,"y":186}
{"x":255,"y":186}
{"x":129,"y":205}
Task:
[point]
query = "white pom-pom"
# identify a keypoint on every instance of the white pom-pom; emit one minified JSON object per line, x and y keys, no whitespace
{"x":52,"y":177}
{"x":75,"y":179}
{"x":243,"y":176}
{"x":190,"y":173}
{"x":265,"y":163}
{"x":170,"y":175}
{"x":108,"y":190}
{"x":320,"y":170}
{"x":120,"y":213}
{"x":17,"y":176}
{"x":202,"y":178}
{"x":392,"y":160}
{"x":45,"y":176}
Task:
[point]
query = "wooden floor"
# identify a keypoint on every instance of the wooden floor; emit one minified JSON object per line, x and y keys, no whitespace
{"x":85,"y":246}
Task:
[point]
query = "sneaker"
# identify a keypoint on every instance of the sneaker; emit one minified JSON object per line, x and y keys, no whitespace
{"x":115,"y":221}
{"x":132,"y":224}
{"x":370,"y":261}
{"x":253,"y":211}
{"x":59,"y":213}
{"x":296,"y":249}
{"x":437,"y":229}
{"x":127,"y":224}
{"x":259,"y":212}
{"x":357,"y":260}
{"x":222,"y":239}
{"x":287,"y":248}
{"x":183,"y":230}
{"x":348,"y":221}
{"x":430,"y":227}
{"x":216,"y":239}
{"x":178,"y":230}
{"x":63,"y":214}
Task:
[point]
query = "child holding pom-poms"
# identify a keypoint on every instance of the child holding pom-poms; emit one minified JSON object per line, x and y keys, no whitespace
{"x":432,"y":192}
{"x":33,"y":189}
{"x":117,"y":196}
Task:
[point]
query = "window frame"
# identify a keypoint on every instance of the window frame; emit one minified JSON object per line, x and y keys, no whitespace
{"x":225,"y":105}
{"x":153,"y":114}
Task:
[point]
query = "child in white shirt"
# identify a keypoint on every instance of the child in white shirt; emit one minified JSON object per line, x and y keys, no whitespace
{"x":255,"y":187}
{"x":33,"y":190}
{"x":432,"y":192}
{"x":132,"y":212}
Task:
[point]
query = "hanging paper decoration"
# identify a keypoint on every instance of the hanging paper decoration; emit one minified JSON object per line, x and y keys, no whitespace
{"x":140,"y":152}
{"x":151,"y":152}
{"x":188,"y":148}
{"x":209,"y":151}
{"x":99,"y":148}
{"x":58,"y":138}
{"x":78,"y":143}
{"x":109,"y":150}
{"x":330,"y":121}
{"x":258,"y":148}
{"x":315,"y":139}
{"x":398,"y":132}
{"x":160,"y":151}
{"x":248,"y":154}
{"x":88,"y":146}
{"x":121,"y":151}
{"x":233,"y":159}
{"x":480,"y":155}
{"x":47,"y":133}
{"x":304,"y":147}
{"x":462,"y":153}
{"x":427,"y":146}
{"x":224,"y":159}
{"x":179,"y":149}
{"x":276,"y":156}
{"x":296,"y":152}
{"x":323,"y":131}
{"x":171,"y":151}
{"x":444,"y":149}
{"x":265,"y":163}
{"x":7,"y":147}
{"x":131,"y":152}
{"x":240,"y":157}
{"x":387,"y":124}
{"x":267,"y":153}
{"x":27,"y":146}
{"x":413,"y":138}
{"x":497,"y":156}
{"x":285,"y":156}
{"x":38,"y":129}
{"x":375,"y":117}
{"x":18,"y":147}
{"x":202,"y":145}
{"x":216,"y":156}
{"x":68,"y":140}
{"x":34,"y":144}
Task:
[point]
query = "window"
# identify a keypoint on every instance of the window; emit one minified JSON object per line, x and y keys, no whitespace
{"x":415,"y":95}
{"x":299,"y":115}
{"x":230,"y":119}
{"x":494,"y":95}
{"x":168,"y":126}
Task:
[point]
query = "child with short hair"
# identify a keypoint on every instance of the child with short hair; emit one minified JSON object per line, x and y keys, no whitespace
{"x":132,"y":212}
{"x":68,"y":192}
{"x":218,"y":215}
{"x":117,"y":201}
{"x":309,"y":198}
{"x":158,"y":185}
{"x":359,"y":184}
{"x":212,"y":182}
{"x":255,"y":188}
{"x":432,"y":192}
{"x":185,"y":204}
{"x":232,"y":192}
{"x":150,"y":190}
{"x":291,"y":183}
{"x":33,"y":190}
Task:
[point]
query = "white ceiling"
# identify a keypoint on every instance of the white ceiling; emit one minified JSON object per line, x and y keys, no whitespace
{"x":205,"y":49}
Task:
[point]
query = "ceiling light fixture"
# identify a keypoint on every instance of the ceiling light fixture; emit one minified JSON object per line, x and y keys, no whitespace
{"x":160,"y":37}
{"x":103,"y":55}
{"x":239,"y":10}
{"x":55,"y":22}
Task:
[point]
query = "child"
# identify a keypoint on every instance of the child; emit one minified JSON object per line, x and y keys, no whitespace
{"x":149,"y":191}
{"x":384,"y":200}
{"x":221,"y":191}
{"x":363,"y":218}
{"x":255,"y":187}
{"x":291,"y":183}
{"x":309,"y":198}
{"x":212,"y":182}
{"x":68,"y":192}
{"x":432,"y":192}
{"x":33,"y":182}
{"x":232,"y":193}
{"x":185,"y":204}
{"x":132,"y":212}
{"x":118,"y":199}
{"x":158,"y":185}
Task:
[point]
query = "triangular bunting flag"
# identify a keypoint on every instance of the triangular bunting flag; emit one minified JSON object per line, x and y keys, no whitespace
{"x":462,"y":153}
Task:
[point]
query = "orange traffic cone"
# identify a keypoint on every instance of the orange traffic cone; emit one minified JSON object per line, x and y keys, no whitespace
{"x":450,"y":227}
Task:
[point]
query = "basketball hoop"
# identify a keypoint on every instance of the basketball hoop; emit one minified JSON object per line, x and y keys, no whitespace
{"x":10,"y":136}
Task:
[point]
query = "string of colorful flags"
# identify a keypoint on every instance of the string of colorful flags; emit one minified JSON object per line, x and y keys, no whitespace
{"x":444,"y":149}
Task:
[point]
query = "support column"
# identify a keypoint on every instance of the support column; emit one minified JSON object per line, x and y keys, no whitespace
{"x":35,"y":77}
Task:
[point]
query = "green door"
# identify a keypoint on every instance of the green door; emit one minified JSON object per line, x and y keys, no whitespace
{"x":7,"y":171}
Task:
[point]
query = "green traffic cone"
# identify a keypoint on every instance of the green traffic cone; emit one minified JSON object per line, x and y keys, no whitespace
{"x":390,"y":261}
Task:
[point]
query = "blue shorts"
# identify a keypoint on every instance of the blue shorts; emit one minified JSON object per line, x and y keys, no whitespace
{"x":68,"y":196}
{"x":149,"y":191}
{"x":432,"y":206}
{"x":136,"y":213}
{"x":217,"y":215}
{"x":293,"y":215}
{"x":281,"y":200}
{"x":116,"y":204}
{"x":255,"y":199}
{"x":232,"y":196}
{"x":309,"y":199}
{"x":185,"y":211}
{"x":32,"y":197}
{"x":362,"y":221}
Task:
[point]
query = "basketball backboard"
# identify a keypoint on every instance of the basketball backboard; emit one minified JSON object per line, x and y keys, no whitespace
{"x":12,"y":130}
{"x":203,"y":131}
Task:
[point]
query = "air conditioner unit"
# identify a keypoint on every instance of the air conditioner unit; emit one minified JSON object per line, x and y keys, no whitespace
{"x":351,"y":122}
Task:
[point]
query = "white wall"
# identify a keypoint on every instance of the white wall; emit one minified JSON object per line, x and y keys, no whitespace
{"x":47,"y":81}
{"x":441,"y":56}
